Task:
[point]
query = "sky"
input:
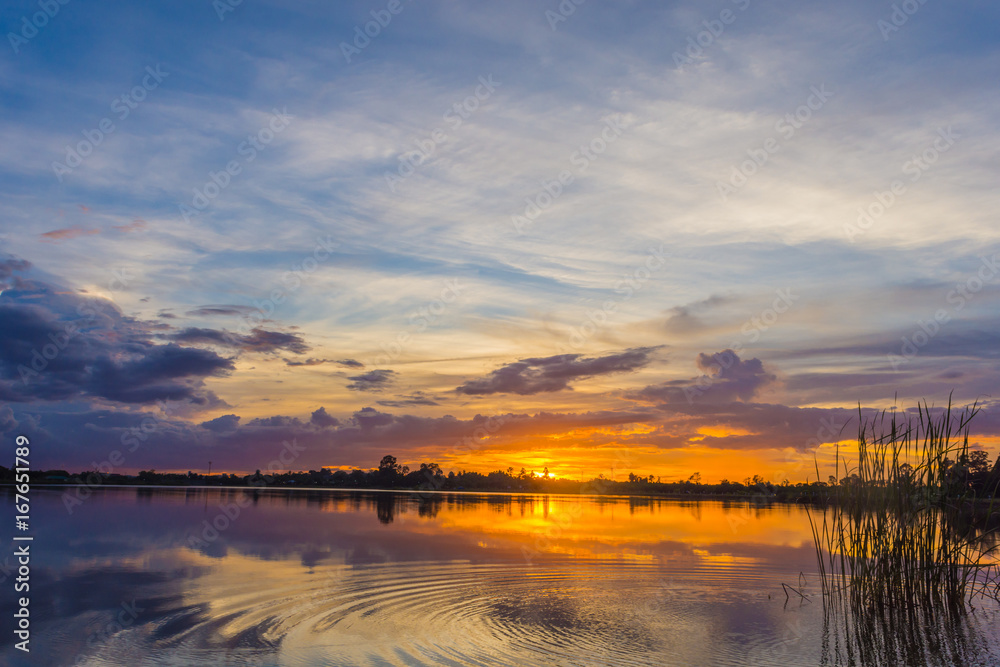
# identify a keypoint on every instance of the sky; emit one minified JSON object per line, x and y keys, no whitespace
{"x":598,"y":237}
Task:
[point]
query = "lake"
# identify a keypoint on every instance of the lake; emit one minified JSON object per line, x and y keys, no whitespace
{"x":175,"y":576}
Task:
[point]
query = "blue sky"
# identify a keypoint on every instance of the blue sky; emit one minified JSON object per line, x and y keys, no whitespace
{"x":637,"y":185}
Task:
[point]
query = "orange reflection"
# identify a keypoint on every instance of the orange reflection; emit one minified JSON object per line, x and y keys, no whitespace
{"x":602,"y":527}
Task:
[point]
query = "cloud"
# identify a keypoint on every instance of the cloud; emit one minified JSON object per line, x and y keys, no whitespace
{"x":375,"y":380}
{"x":547,"y":374}
{"x":308,"y":362}
{"x":276,"y":422}
{"x":223,"y":424}
{"x":350,"y":363}
{"x":66,"y":234}
{"x":75,"y":438}
{"x":10,"y":265}
{"x":752,"y":426}
{"x":153,"y":374}
{"x":220,"y":310}
{"x":370,"y":418}
{"x":416,"y":398}
{"x":323,"y":419}
{"x":258,"y":340}
{"x":58,"y":345}
{"x":727,"y":378}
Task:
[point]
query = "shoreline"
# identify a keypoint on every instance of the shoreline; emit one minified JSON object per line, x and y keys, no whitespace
{"x":436,"y":492}
{"x":752,"y":498}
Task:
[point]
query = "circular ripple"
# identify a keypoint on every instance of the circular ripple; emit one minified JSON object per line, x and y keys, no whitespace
{"x":457,"y":613}
{"x":554,"y":613}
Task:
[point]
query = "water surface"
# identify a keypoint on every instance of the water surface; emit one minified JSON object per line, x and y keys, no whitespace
{"x":138,"y":576}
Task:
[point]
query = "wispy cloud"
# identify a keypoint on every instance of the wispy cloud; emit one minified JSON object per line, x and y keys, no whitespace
{"x":67,"y":234}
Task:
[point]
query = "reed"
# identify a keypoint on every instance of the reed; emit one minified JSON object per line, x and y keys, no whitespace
{"x":897,"y":533}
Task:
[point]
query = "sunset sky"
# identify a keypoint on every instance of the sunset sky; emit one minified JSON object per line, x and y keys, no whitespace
{"x":655,"y":237}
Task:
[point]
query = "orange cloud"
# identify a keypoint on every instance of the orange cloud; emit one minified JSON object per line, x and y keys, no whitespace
{"x":65,"y":234}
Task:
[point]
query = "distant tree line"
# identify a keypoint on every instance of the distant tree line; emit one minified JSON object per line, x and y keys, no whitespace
{"x":969,"y":472}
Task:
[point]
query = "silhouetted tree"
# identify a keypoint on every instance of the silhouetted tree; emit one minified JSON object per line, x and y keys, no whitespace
{"x":388,"y":465}
{"x":979,"y":463}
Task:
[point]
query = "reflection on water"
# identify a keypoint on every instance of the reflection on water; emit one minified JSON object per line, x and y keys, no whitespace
{"x":909,"y":636}
{"x":239,"y":577}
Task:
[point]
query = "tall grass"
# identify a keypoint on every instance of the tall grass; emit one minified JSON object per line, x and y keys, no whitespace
{"x":898,"y":534}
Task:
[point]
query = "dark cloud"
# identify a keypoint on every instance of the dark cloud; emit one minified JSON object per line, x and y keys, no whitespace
{"x":346,"y":363}
{"x":370,"y":418}
{"x":258,"y":340}
{"x":222,"y":310}
{"x":205,"y":336}
{"x":416,"y":398}
{"x":309,"y":362}
{"x":153,"y":375}
{"x":323,"y":419}
{"x":278,"y":422}
{"x":58,"y":345}
{"x":10,"y":265}
{"x":375,"y":380}
{"x":547,"y":374}
{"x":726,"y":378}
{"x":223,"y":424}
